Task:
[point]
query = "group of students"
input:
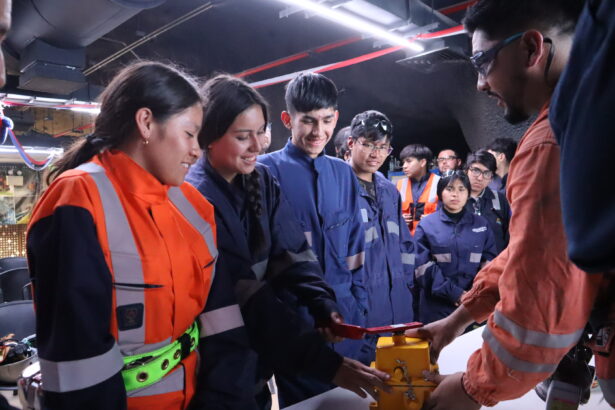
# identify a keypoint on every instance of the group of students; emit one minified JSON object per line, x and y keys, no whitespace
{"x":152,"y":292}
{"x":246,"y":265}
{"x":143,"y":281}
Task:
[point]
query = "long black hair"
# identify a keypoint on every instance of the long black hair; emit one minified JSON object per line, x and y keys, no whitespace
{"x":226,"y":97}
{"x":164,"y":89}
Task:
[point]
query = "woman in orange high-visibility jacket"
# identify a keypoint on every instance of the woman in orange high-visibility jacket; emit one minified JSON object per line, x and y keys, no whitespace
{"x":121,"y":252}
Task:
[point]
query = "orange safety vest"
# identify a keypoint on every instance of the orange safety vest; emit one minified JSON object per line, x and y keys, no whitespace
{"x":426,"y":204}
{"x":159,"y":244}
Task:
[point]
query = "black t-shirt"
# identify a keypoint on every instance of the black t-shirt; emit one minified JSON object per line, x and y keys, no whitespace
{"x":369,"y":187}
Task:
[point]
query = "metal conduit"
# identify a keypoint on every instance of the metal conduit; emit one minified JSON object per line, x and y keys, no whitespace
{"x":149,"y":37}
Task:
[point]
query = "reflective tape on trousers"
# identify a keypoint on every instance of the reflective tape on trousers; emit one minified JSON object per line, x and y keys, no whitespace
{"x":511,"y":361}
{"x":536,"y":338}
{"x":61,"y":377}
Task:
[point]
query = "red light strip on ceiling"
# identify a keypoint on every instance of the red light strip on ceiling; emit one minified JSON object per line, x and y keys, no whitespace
{"x":356,"y":60}
{"x":304,"y":54}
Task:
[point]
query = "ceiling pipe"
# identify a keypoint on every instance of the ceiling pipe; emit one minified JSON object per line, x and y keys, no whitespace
{"x":149,"y":37}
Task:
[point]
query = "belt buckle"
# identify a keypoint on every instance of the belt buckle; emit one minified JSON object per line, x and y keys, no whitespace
{"x":185,"y":344}
{"x":139,"y":362}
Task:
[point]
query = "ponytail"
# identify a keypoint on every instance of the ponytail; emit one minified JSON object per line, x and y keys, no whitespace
{"x":79,"y":152}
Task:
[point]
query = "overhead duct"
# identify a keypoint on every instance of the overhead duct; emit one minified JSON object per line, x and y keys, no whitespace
{"x":49,"y":38}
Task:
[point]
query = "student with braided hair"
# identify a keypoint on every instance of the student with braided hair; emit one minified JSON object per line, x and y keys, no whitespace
{"x":265,"y":256}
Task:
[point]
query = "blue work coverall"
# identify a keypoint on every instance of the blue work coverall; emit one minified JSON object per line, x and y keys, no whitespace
{"x":389,"y":259}
{"x":449,"y":255}
{"x":324,"y":194}
{"x":239,"y":361}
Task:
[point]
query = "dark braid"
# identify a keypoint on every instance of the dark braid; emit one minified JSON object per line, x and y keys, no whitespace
{"x":253,"y":188}
{"x":253,"y":195}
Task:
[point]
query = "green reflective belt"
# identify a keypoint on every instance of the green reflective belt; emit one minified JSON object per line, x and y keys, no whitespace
{"x":142,"y":370}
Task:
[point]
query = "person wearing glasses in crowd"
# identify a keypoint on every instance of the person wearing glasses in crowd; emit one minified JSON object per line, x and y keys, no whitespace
{"x":452,"y":245}
{"x":503,"y":149}
{"x":324,"y":195}
{"x":418,"y":189}
{"x":485,"y":201}
{"x":447,"y":160}
{"x":389,"y":250}
{"x":535,"y":300}
{"x":263,"y":253}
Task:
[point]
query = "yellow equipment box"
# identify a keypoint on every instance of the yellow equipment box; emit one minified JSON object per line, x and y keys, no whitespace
{"x":405,"y":359}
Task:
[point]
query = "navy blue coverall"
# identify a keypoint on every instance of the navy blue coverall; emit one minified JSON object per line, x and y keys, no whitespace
{"x":237,"y":362}
{"x":449,"y":255}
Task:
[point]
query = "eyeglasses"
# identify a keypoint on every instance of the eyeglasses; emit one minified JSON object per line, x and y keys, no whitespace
{"x":482,"y":60}
{"x":476,"y":172}
{"x":381,"y":150}
{"x":383,"y":125}
{"x":446,"y":159}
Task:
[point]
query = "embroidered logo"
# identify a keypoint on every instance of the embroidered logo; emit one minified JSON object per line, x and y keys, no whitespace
{"x":129,"y":316}
{"x":481,"y":229}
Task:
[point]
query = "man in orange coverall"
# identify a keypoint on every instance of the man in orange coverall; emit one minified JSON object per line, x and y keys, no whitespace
{"x":535,"y":301}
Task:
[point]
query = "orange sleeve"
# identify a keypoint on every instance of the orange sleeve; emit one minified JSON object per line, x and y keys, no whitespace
{"x":544,"y":300}
{"x":482,"y":298}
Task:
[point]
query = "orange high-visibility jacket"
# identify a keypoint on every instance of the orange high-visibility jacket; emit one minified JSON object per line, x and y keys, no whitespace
{"x":536,"y":301}
{"x":425,"y":205}
{"x":100,"y":298}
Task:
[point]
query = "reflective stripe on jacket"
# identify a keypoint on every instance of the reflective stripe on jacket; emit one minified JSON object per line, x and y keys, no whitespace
{"x":536,"y":301}
{"x":103,"y":292}
{"x":324,"y":195}
{"x":425,"y":205}
{"x":449,"y":255}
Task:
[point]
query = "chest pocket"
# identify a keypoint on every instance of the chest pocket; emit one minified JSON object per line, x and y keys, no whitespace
{"x":337,"y":235}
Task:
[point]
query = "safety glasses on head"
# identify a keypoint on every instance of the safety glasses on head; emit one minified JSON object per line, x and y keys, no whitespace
{"x":383,"y":125}
{"x":451,"y":172}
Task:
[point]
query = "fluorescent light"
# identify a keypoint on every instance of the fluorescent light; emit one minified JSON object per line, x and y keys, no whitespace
{"x":371,"y":12}
{"x":18,"y":97}
{"x":49,"y":100}
{"x":94,"y":111}
{"x":355,"y":23}
{"x":5,"y":149}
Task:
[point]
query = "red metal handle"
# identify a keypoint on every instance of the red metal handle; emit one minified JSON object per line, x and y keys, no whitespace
{"x":357,"y":332}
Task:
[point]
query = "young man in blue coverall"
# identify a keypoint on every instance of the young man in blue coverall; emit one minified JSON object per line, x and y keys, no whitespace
{"x":324,"y":194}
{"x":389,"y":250}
